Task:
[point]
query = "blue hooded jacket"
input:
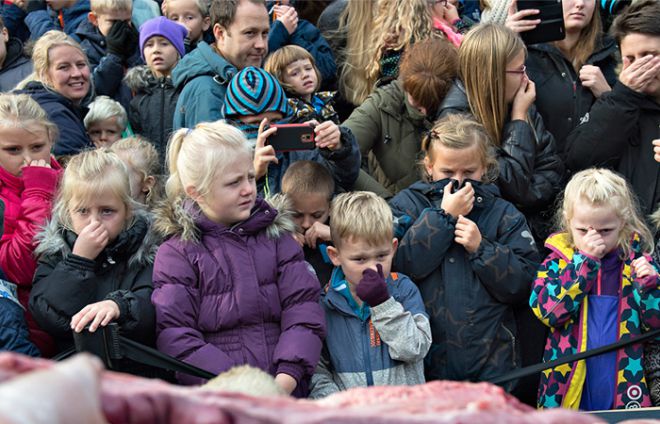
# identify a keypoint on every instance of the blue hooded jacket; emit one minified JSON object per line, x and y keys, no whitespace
{"x":41,"y":21}
{"x":202,"y":76}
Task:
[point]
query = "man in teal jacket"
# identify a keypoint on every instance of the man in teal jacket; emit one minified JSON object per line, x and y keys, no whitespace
{"x":240,"y":28}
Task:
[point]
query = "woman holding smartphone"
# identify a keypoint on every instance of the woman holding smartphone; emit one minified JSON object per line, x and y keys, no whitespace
{"x":569,"y":74}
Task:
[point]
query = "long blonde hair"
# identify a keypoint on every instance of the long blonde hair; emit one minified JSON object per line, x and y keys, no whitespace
{"x":195,"y":157}
{"x":482,"y":60}
{"x":602,"y":187}
{"x":397,"y":25}
{"x":355,"y":26}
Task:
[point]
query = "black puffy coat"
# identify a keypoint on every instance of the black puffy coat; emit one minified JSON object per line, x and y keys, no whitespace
{"x":64,"y":283}
{"x":151,"y":112}
{"x":560,"y":97}
{"x":618,"y":134}
{"x":531,"y":172}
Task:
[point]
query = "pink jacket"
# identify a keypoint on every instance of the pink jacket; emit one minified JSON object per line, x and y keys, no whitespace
{"x":28,"y":204}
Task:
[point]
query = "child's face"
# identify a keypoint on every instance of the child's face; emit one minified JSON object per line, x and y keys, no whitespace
{"x":354,"y":256}
{"x":300,"y":75}
{"x":106,"y":19}
{"x":58,"y":5}
{"x":161,"y":55}
{"x":309,"y":208}
{"x":19,"y":147}
{"x":68,"y":72}
{"x":104,"y":133}
{"x":458,"y":164}
{"x":232,"y":193}
{"x":4,"y":38}
{"x":602,"y":218}
{"x":256,"y":119}
{"x":105,"y":208}
{"x":187,"y":14}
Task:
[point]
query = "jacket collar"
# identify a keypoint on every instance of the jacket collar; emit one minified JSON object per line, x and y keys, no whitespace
{"x":136,"y":244}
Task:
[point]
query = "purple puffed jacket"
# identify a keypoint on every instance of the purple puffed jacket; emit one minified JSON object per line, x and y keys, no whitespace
{"x":240,"y":295}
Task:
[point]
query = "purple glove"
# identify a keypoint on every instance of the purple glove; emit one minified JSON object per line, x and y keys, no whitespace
{"x":372,"y":288}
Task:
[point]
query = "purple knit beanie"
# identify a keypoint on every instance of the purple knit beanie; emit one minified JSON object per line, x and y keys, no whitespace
{"x":162,"y":26}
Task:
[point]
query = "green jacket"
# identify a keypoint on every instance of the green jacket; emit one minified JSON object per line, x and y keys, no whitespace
{"x":389,"y":132}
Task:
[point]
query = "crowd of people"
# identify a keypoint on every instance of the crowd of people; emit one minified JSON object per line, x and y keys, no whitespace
{"x":464,"y":205}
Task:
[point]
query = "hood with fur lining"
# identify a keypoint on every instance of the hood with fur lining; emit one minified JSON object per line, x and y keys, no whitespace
{"x":55,"y":239}
{"x":182,"y":220}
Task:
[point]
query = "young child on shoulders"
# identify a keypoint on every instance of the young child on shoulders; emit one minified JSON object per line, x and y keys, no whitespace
{"x":95,"y":255}
{"x":255,"y":99}
{"x":194,"y":15}
{"x":231,"y":283}
{"x":105,"y":122}
{"x":365,"y":305}
{"x":470,"y":252}
{"x":296,"y":70}
{"x":28,"y":182}
{"x":597,"y":281}
{"x":144,"y":170}
{"x":151,"y":111}
{"x":309,"y":187}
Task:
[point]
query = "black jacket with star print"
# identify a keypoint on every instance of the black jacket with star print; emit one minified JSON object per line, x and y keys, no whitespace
{"x":470,"y":297}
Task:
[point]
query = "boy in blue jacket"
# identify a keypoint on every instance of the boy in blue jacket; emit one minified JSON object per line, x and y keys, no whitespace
{"x":378,"y":329}
{"x":62,"y":15}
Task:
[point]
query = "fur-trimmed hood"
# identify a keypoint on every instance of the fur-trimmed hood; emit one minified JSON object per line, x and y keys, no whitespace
{"x":187,"y":221}
{"x":141,"y":79}
{"x":138,"y":243}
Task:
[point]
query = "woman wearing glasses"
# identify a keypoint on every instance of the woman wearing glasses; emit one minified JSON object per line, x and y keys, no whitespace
{"x":572,"y":73}
{"x":495,"y":88}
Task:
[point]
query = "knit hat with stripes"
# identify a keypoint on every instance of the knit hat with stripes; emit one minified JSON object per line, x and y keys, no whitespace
{"x":253,"y":91}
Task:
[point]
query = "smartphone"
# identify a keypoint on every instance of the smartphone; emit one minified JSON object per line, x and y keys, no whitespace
{"x":292,"y":137}
{"x":551,"y":15}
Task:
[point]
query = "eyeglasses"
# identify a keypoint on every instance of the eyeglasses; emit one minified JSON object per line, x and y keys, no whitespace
{"x":519,"y":71}
{"x":434,"y":2}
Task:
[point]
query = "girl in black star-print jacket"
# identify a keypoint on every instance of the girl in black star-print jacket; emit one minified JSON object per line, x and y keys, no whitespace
{"x":470,"y":252}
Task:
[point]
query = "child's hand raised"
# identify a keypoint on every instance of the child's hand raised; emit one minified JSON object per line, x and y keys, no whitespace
{"x":326,"y":135}
{"x":263,"y":155}
{"x":592,"y":244}
{"x":317,"y":231}
{"x":372,"y":288}
{"x":99,"y":314}
{"x":643,"y":268}
{"x":467,"y":234}
{"x":459,"y":202}
{"x":91,"y":240}
{"x":656,"y":149}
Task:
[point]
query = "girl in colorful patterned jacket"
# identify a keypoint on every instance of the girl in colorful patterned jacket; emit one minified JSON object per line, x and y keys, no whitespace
{"x":231,"y":285}
{"x":597,"y":286}
{"x":28,"y":180}
{"x":296,"y":70}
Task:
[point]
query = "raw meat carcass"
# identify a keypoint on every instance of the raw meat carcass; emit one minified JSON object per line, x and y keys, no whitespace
{"x":129,"y":399}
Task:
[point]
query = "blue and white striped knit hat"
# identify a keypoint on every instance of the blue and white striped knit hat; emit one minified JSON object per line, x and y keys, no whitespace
{"x":253,"y":91}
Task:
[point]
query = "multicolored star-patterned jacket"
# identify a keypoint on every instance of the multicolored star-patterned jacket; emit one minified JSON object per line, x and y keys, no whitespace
{"x":558,"y":299}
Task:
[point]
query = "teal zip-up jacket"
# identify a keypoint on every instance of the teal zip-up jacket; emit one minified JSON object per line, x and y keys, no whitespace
{"x":202,"y":77}
{"x":382,"y":345}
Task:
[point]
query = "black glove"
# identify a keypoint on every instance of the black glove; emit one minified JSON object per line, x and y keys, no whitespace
{"x":34,"y":5}
{"x":122,"y":40}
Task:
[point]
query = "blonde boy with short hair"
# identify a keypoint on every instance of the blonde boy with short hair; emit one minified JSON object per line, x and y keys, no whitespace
{"x":378,"y":329}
